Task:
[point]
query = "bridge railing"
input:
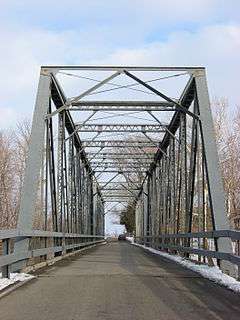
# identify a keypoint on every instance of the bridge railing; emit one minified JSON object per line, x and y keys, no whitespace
{"x":195,"y":243}
{"x":43,"y":246}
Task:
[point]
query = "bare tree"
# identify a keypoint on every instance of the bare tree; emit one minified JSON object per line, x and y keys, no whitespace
{"x":21,"y":142}
{"x":7,"y":176}
{"x":13,"y":155}
{"x":227,"y":136}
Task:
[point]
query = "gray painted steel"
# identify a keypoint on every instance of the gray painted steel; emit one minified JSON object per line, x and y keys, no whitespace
{"x":213,"y":169}
{"x":27,"y":205}
{"x":169,"y":180}
{"x":33,"y":165}
{"x":121,"y":68}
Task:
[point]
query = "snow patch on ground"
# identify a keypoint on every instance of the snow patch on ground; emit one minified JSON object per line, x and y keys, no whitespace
{"x":130,"y":239}
{"x":211,"y":273}
{"x":14,"y":277}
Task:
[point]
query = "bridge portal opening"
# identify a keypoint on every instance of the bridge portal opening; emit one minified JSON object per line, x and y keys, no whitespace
{"x":134,"y":141}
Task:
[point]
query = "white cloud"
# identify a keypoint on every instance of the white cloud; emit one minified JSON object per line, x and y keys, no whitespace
{"x":217,"y":47}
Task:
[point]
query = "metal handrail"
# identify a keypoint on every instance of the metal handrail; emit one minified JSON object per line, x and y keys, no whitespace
{"x":9,"y":258}
{"x":233,"y":234}
{"x":158,"y":242}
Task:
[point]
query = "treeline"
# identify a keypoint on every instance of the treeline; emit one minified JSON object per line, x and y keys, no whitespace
{"x":13,"y":154}
{"x":227,"y":128}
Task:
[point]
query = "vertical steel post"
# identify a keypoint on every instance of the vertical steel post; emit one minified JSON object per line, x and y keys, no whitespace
{"x":33,"y":165}
{"x":213,"y":168}
{"x":5,"y":251}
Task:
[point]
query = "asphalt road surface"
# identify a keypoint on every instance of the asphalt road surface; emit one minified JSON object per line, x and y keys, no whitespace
{"x":118,"y":281}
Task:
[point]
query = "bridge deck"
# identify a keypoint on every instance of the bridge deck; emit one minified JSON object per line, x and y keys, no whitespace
{"x":119,"y":281}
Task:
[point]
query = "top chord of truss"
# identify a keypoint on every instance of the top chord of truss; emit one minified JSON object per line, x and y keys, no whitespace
{"x":120,"y":68}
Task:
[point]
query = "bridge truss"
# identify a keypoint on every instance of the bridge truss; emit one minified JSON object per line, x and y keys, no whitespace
{"x":157,"y":156}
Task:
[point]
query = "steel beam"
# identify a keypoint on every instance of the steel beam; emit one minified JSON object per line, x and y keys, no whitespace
{"x":123,"y":103}
{"x":116,"y":183}
{"x":60,"y":99}
{"x":158,"y":93}
{"x":118,"y":196}
{"x":116,"y":200}
{"x":120,"y":171}
{"x":213,"y":169}
{"x":154,"y":128}
{"x":125,"y":165}
{"x":122,"y":162}
{"x":116,"y":189}
{"x":127,"y":154}
{"x":33,"y":165}
{"x":121,"y":68}
{"x":122,"y":106}
{"x":117,"y":143}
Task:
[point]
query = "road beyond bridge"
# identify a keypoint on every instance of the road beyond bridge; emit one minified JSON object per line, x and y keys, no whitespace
{"x":118,"y":281}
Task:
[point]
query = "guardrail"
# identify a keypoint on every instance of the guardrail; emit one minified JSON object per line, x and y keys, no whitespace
{"x":183,"y":243}
{"x":43,"y":244}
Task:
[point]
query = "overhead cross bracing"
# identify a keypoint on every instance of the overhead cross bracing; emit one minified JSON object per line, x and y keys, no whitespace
{"x":126,"y":154}
{"x":146,"y":130}
{"x":118,"y":143}
{"x":119,"y":136}
{"x":122,"y":106}
{"x":155,"y":128}
{"x":108,"y":115}
{"x":112,"y":163}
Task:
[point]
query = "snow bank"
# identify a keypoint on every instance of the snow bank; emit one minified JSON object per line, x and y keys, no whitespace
{"x":14,"y":277}
{"x":211,"y":273}
{"x":130,"y":239}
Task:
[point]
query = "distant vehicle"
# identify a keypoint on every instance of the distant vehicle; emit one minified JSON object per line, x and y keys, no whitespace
{"x":122,"y":237}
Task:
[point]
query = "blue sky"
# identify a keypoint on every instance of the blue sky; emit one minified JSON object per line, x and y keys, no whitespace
{"x":144,"y":32}
{"x":130,"y":32}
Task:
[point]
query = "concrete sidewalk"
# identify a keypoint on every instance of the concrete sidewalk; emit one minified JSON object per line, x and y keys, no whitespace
{"x":118,"y":281}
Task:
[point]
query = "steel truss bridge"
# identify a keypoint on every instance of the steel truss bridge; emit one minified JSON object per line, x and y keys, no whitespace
{"x":100,"y":145}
